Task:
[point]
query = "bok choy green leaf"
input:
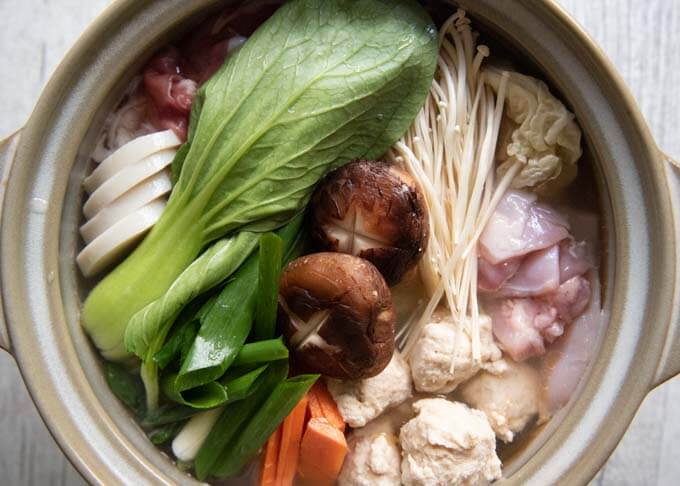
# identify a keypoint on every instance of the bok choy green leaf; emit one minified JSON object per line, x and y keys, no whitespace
{"x":217,"y":263}
{"x":320,"y":83}
{"x":183,"y":334}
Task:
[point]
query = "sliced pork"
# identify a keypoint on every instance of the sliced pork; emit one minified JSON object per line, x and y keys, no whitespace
{"x":172,"y":77}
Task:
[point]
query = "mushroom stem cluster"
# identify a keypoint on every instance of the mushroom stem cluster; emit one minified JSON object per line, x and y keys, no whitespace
{"x":449,"y":150}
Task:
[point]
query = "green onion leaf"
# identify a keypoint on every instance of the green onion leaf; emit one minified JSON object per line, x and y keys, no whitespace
{"x":165,"y":433}
{"x":126,"y":387}
{"x":261,"y":352}
{"x":241,"y":387}
{"x":167,"y":414}
{"x":271,"y":254}
{"x":228,"y":426}
{"x":207,"y":395}
{"x":225,"y":327}
{"x":278,"y":404}
{"x":223,"y":331}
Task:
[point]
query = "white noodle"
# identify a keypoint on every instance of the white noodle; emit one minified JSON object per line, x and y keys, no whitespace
{"x":450,"y":150}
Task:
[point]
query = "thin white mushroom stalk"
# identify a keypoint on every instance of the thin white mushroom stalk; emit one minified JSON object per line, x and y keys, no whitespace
{"x":450,"y":150}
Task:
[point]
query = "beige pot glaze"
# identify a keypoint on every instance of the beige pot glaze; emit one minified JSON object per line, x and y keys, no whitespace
{"x":43,"y":166}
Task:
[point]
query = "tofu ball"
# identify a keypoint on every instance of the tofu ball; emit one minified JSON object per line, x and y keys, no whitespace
{"x":442,"y":343}
{"x":511,"y":400}
{"x":448,"y":443}
{"x":361,"y":401}
{"x":373,"y":210}
{"x":336,"y":313}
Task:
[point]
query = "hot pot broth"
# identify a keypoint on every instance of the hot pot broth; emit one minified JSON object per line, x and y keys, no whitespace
{"x":176,"y":80}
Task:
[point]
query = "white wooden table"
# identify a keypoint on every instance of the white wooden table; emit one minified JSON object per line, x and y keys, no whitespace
{"x":642,"y":37}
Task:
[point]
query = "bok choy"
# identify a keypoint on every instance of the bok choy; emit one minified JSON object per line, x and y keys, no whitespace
{"x":318,"y":84}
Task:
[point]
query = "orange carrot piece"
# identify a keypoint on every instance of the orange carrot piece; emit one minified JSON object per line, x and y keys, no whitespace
{"x":289,"y":452}
{"x":271,"y":457}
{"x":321,"y":404}
{"x":314,"y":406}
{"x":322,"y":452}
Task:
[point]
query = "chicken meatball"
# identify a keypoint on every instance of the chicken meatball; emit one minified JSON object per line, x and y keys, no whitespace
{"x":361,"y":401}
{"x":447,"y":443}
{"x":441,"y":344}
{"x":373,"y":460}
{"x":511,"y":400}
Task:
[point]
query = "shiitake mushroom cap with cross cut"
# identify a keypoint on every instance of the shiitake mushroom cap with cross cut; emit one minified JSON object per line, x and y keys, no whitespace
{"x":336,"y":313}
{"x":373,"y":210}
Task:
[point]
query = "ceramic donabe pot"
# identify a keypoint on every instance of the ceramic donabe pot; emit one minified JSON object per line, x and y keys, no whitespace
{"x":43,"y":166}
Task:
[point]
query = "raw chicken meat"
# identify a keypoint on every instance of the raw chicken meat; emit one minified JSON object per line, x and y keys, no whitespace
{"x":538,"y":274}
{"x":532,"y":275}
{"x":565,"y":363}
{"x":492,"y":277}
{"x":524,"y":325}
{"x":520,"y":324}
{"x":575,"y":259}
{"x":519,"y":226}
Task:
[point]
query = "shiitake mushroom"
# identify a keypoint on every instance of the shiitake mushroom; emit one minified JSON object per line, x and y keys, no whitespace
{"x":336,"y":313}
{"x":373,"y":210}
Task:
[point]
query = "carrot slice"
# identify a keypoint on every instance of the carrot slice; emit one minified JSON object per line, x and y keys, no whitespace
{"x":322,"y":452}
{"x":321,"y":404}
{"x":315,"y":410}
{"x":289,"y":452}
{"x":271,"y":456}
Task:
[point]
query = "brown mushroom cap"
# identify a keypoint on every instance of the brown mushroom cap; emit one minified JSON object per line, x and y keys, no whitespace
{"x":336,"y":313}
{"x":373,"y":210}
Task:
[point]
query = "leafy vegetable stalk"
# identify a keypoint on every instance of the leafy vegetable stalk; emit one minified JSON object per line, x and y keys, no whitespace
{"x":320,"y":83}
{"x":266,"y":305}
{"x":261,"y":426}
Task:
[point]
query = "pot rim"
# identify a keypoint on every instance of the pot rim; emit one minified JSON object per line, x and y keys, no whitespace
{"x":94,"y":468}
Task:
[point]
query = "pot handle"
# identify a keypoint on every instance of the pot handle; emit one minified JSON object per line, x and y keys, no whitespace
{"x":669,"y":365}
{"x":8,"y":148}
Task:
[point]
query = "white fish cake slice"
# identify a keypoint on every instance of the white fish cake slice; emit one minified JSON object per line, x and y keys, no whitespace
{"x":154,"y":187}
{"x":133,"y":151}
{"x":112,"y":244}
{"x":125,"y":180}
